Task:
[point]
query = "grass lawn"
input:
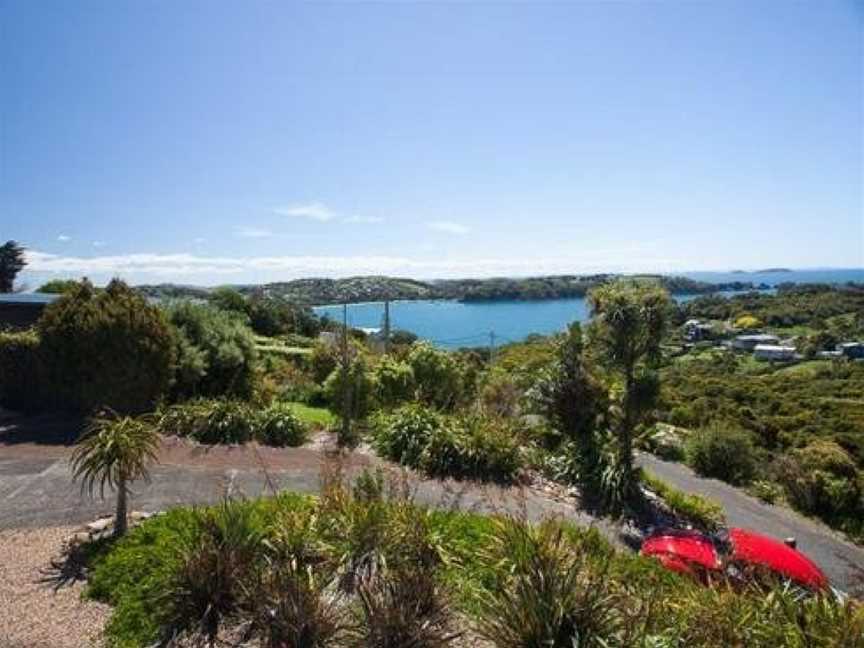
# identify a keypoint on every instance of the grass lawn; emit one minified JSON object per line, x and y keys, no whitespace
{"x":315,"y":416}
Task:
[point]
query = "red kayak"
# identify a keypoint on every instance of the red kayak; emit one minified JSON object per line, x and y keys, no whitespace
{"x":702,"y":556}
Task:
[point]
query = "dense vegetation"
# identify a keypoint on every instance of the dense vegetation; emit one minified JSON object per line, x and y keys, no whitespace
{"x":357,"y":568}
{"x":360,"y":567}
{"x":106,"y":348}
{"x":360,"y":289}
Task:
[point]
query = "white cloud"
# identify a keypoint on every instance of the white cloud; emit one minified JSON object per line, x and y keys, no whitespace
{"x":173,"y":267}
{"x":63,"y":238}
{"x":449,"y":227}
{"x":98,"y":244}
{"x":367,"y":220}
{"x":252,"y":232}
{"x":313,"y":211}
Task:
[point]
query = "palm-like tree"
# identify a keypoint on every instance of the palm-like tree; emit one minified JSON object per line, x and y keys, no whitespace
{"x":114,"y":451}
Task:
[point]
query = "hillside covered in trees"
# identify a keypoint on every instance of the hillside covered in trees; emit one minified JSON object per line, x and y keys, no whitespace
{"x":320,"y":291}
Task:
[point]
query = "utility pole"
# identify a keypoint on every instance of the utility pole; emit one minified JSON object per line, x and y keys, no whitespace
{"x":491,"y":346}
{"x":346,"y":388}
{"x":386,"y":326}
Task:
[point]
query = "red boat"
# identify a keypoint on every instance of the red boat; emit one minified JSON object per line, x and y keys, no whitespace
{"x":706,"y":557}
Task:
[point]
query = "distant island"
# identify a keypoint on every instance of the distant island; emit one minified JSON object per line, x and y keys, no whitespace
{"x":320,"y":291}
{"x":765,"y":271}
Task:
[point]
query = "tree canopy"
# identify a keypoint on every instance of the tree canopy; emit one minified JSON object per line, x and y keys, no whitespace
{"x":11,"y":263}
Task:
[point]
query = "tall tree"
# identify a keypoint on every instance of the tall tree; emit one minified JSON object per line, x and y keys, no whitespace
{"x":575,"y":401}
{"x":114,"y":451}
{"x":11,"y":263}
{"x":627,"y":327}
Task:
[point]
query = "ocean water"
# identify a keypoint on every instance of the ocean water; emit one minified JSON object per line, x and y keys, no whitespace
{"x":452,"y":324}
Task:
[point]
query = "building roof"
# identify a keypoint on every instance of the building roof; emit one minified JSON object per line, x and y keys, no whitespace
{"x":774,"y":348}
{"x":757,"y":337}
{"x":27,"y":298}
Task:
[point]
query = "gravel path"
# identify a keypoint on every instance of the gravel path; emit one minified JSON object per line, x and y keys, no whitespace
{"x":31,"y":614}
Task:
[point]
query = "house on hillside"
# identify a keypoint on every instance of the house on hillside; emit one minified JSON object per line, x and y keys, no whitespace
{"x":22,"y":310}
{"x":852,"y":350}
{"x":749,"y":342}
{"x":775,"y":353}
{"x":695,"y":331}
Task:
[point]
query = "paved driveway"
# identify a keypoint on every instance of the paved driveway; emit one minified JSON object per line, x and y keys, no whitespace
{"x":36,"y":490}
{"x":841,"y":560}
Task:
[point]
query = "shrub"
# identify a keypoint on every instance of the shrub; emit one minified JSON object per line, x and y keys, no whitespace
{"x":222,"y":546}
{"x":293,"y":606}
{"x":403,"y":435}
{"x":360,"y":386}
{"x":438,"y":375}
{"x":402,"y":608}
{"x":279,"y":426}
{"x":394,"y":382}
{"x":323,"y":360}
{"x":747,"y":322}
{"x":500,"y":394}
{"x":227,"y":421}
{"x":468,"y":448}
{"x":473,"y":448}
{"x":698,"y":510}
{"x":216,"y":352}
{"x":722,"y":452}
{"x":106,"y":348}
{"x":821,"y":479}
{"x":23,"y":375}
{"x":546,"y":593}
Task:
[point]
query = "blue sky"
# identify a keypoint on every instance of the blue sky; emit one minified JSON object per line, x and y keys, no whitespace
{"x":227,"y":142}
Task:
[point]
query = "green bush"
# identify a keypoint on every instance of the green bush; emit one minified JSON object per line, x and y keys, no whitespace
{"x":279,"y":426}
{"x":106,"y":348}
{"x":700,"y":511}
{"x":360,"y":386}
{"x":404,"y":435}
{"x":23,"y":375}
{"x":500,"y":394}
{"x":445,"y":446}
{"x":547,"y":592}
{"x":722,"y":452}
{"x":438,"y":375}
{"x":821,"y":479}
{"x":228,"y":421}
{"x":394,"y":382}
{"x":211,"y":561}
{"x":323,"y":360}
{"x":215,"y":352}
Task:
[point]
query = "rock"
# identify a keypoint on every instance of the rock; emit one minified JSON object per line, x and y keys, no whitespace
{"x":100,"y":525}
{"x":79,"y":538}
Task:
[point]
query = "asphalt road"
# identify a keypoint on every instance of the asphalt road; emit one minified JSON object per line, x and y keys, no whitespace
{"x":37,"y":490}
{"x":841,"y":560}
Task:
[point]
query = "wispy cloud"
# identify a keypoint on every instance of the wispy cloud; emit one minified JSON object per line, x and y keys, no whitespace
{"x":206,"y":268}
{"x":367,"y":220}
{"x":98,"y":244}
{"x":312,"y":211}
{"x":252,"y":232}
{"x":449,"y":227}
{"x":63,"y":238}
